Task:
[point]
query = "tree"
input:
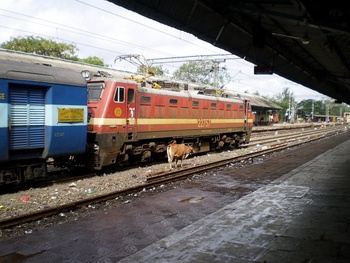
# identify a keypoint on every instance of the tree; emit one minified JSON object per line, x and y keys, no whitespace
{"x":46,"y":47}
{"x":40,"y":46}
{"x":154,"y":70}
{"x":305,"y":107}
{"x":321,"y":107}
{"x":203,"y":72}
{"x":93,"y":60}
{"x":286,"y":100}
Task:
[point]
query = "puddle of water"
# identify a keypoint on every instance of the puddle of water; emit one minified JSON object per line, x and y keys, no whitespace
{"x":192,"y":199}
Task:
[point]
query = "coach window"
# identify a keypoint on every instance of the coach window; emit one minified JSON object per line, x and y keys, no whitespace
{"x":119,"y":94}
{"x":195,"y":103}
{"x":213,"y":104}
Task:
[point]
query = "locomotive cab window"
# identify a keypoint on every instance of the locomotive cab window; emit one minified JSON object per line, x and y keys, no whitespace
{"x":95,"y":91}
{"x":131,"y":95}
{"x":119,"y":94}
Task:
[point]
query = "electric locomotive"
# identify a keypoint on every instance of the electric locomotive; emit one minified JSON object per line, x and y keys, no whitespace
{"x":134,"y":122}
{"x":43,"y":115}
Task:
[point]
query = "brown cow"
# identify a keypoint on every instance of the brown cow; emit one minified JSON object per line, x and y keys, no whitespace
{"x":178,"y":152}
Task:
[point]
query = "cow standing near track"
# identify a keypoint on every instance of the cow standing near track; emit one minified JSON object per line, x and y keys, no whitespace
{"x":177,"y":152}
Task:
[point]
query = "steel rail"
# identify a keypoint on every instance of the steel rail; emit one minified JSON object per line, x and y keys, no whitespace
{"x":266,"y":139}
{"x":161,"y":177}
{"x":49,"y":181}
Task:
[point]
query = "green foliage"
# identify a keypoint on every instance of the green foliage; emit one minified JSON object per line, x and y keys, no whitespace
{"x":320,"y":107}
{"x":203,"y":72}
{"x":159,"y":71}
{"x":40,"y":46}
{"x":93,"y":60}
{"x":50,"y":48}
{"x":286,"y":100}
{"x":155,"y":70}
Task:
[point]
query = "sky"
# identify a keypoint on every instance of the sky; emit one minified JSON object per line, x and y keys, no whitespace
{"x":103,"y":29}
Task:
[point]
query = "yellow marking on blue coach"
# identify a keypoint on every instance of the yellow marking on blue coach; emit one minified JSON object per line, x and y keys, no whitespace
{"x":70,"y":115}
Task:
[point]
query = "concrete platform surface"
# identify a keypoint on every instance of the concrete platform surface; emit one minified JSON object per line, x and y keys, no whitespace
{"x":303,"y":216}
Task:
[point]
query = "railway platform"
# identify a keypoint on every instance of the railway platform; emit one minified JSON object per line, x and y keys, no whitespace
{"x":303,"y":215}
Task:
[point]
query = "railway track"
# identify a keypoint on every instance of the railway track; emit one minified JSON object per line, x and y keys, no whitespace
{"x":277,"y":144}
{"x":289,"y":137}
{"x":259,"y":136}
{"x":157,"y":179}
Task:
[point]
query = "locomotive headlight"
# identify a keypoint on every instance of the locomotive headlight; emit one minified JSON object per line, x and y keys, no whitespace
{"x":86,"y":74}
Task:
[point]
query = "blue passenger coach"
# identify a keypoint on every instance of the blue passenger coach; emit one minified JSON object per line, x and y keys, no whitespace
{"x":43,"y":114}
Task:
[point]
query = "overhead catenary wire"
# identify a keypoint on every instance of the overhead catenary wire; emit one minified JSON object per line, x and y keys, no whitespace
{"x":77,"y":31}
{"x":82,"y":32}
{"x":141,"y":24}
{"x":180,"y":59}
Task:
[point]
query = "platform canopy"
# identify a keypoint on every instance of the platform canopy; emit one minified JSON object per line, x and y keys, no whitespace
{"x":301,"y":40}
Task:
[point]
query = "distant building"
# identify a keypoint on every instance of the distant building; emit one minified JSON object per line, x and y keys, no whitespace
{"x":265,"y":111}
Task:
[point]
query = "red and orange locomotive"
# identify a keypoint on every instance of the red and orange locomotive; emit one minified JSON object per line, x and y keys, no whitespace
{"x":135,"y":121}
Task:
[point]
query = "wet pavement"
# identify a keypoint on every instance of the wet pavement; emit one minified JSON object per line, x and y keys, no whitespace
{"x":293,"y":207}
{"x":303,"y":216}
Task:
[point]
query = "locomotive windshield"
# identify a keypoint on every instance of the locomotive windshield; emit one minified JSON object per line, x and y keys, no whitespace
{"x":119,"y":95}
{"x":95,"y":91}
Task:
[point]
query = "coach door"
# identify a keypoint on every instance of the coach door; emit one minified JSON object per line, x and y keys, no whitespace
{"x":131,"y":120}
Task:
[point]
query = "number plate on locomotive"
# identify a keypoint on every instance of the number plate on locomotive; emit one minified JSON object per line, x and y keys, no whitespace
{"x":204,"y":123}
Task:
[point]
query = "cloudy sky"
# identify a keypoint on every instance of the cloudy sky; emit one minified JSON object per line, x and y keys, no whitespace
{"x":100,"y":28}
